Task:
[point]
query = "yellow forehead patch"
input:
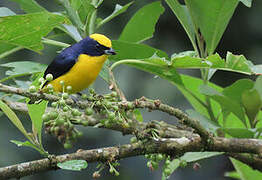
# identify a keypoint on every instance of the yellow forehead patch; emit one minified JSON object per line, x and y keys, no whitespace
{"x":102,"y":39}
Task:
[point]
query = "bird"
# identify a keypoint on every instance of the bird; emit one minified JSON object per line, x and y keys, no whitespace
{"x":79,"y":65}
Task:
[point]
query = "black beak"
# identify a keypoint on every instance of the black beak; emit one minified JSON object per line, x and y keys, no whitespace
{"x":110,"y":51}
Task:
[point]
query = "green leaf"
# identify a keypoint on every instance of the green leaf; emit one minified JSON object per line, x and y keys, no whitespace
{"x":27,"y":30}
{"x":234,"y":63}
{"x":240,"y":132}
{"x":195,"y":156}
{"x":145,"y":19}
{"x":29,"y":6}
{"x":138,"y":115}
{"x":117,"y":11}
{"x":6,"y":12}
{"x":224,"y":101}
{"x":236,"y":90}
{"x":247,"y":3}
{"x":72,"y":14}
{"x":232,"y":174}
{"x":85,"y":11}
{"x":74,"y":165}
{"x":213,"y":61}
{"x":184,"y":18}
{"x":13,"y":118}
{"x":246,"y":172}
{"x":22,"y":68}
{"x":36,"y":112}
{"x":204,"y":121}
{"x":190,"y":90}
{"x":252,"y":103}
{"x":258,"y":85}
{"x":174,"y":164}
{"x":212,"y":18}
{"x":26,"y":144}
{"x":239,"y":63}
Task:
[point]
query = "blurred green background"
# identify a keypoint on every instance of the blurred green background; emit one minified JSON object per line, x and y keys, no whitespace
{"x":243,"y":36}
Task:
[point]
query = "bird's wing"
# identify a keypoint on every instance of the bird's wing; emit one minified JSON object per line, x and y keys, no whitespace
{"x":59,"y":66}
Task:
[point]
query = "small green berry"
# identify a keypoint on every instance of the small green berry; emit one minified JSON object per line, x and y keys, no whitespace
{"x":79,"y":134}
{"x":68,"y":145}
{"x":167,"y":162}
{"x":108,"y":104}
{"x":133,"y":140}
{"x":69,"y":89}
{"x":148,"y":164}
{"x":130,"y":105}
{"x":53,"y":115}
{"x":54,"y":104}
{"x":32,"y":89}
{"x":91,"y":91}
{"x":60,"y":121}
{"x":71,"y":126}
{"x":167,"y":171}
{"x":75,"y":112}
{"x":62,"y":83}
{"x":84,"y":96}
{"x":111,"y":115}
{"x":65,"y":95}
{"x":45,"y":117}
{"x":89,"y":111}
{"x":49,"y":77}
{"x":115,"y":108}
{"x":50,"y":87}
{"x":52,"y":130}
{"x":111,"y":170}
{"x":103,"y":112}
{"x":159,"y":157}
{"x":41,"y":80}
{"x":66,"y":124}
{"x":65,"y":109}
{"x":107,"y":123}
{"x":98,"y":103}
{"x":85,"y":123}
{"x":114,"y":94}
{"x":154,"y":165}
{"x":56,"y":130}
{"x":183,"y":163}
{"x":147,"y":156}
{"x":62,"y":102}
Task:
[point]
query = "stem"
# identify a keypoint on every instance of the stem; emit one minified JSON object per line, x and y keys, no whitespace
{"x":92,"y":22}
{"x":55,"y":43}
{"x":126,"y":61}
{"x":14,"y":76}
{"x":10,"y":52}
{"x":73,"y":14}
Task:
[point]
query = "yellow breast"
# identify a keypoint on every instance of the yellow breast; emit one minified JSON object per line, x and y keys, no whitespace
{"x":82,"y":74}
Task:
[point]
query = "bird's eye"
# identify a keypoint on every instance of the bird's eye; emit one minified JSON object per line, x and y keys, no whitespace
{"x":98,"y":47}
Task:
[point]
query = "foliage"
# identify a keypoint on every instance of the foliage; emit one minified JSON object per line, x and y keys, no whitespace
{"x":234,"y":111}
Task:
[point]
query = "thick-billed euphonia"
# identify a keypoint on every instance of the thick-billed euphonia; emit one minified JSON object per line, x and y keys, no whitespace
{"x":79,"y":65}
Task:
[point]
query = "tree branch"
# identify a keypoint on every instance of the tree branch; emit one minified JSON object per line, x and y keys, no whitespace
{"x":139,"y":103}
{"x":171,"y":139}
{"x":172,"y":146}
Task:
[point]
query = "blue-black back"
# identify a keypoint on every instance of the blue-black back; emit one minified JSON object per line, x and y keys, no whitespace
{"x":64,"y":61}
